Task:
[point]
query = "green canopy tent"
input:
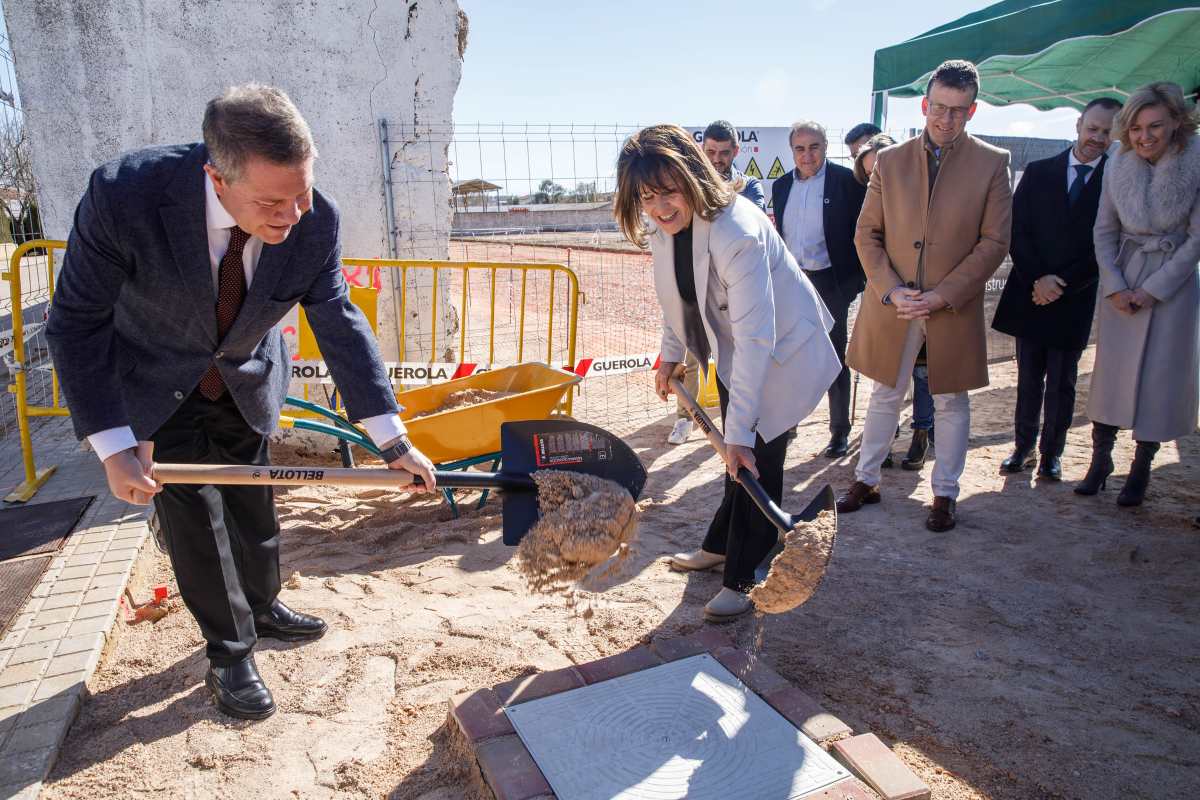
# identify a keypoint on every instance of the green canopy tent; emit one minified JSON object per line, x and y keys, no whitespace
{"x":1052,"y":53}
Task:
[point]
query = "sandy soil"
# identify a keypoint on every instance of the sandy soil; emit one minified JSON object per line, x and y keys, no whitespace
{"x":1048,"y":647}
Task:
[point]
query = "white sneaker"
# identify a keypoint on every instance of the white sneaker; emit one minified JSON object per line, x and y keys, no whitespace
{"x":696,"y":560}
{"x":681,"y":432}
{"x":727,"y":605}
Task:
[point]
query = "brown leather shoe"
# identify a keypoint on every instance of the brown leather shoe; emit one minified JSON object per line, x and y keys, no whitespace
{"x":859,"y":495}
{"x":941,"y":516}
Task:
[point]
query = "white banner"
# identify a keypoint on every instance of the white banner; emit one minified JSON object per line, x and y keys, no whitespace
{"x":765,"y":154}
{"x":6,"y":337}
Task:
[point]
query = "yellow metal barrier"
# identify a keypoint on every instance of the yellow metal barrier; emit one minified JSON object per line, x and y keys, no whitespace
{"x":20,"y":385}
{"x":34,"y":478}
{"x":492,"y":268}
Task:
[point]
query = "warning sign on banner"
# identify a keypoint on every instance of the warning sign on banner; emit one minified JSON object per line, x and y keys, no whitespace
{"x":760,"y":146}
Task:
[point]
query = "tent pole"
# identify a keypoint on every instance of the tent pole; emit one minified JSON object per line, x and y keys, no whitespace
{"x":879,"y":108}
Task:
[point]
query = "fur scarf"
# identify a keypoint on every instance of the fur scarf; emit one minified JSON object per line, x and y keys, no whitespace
{"x":1155,"y":198}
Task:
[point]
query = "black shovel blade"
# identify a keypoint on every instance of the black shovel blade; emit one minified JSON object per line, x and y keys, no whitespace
{"x":824,"y":501}
{"x":565,"y":445}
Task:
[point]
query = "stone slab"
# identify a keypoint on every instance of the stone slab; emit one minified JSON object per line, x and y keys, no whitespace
{"x":880,"y":768}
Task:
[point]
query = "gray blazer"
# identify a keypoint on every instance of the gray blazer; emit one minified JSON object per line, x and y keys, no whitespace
{"x":766,"y":325}
{"x":133,"y":323}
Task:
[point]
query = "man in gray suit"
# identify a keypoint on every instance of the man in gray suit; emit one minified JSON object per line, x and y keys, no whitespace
{"x":180,"y":264}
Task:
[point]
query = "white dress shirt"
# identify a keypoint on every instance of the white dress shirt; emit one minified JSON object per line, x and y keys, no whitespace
{"x":1071,"y":173}
{"x":804,"y":221}
{"x":382,"y":428}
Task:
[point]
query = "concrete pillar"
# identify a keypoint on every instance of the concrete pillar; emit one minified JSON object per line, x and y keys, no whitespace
{"x":100,"y":77}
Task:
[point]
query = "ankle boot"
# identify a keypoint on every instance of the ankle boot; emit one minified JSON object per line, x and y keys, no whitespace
{"x":1103,"y":439}
{"x":1134,"y":490}
{"x":916,"y":450}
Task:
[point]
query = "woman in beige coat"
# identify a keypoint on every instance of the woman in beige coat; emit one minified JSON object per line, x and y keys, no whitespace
{"x":1147,"y":245}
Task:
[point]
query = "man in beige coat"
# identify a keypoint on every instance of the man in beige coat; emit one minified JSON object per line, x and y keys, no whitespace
{"x":935,"y":226}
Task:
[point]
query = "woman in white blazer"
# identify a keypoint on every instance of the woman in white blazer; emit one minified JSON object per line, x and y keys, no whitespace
{"x":729,"y":289}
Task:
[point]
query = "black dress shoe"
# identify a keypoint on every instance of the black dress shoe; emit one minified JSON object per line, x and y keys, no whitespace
{"x":1050,"y":468}
{"x":839,"y":445}
{"x":1019,"y":461}
{"x":239,"y":691}
{"x":290,"y":626}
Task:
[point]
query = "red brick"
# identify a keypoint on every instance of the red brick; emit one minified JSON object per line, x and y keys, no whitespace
{"x":883,"y":771}
{"x":510,"y":770}
{"x":707,"y":640}
{"x":479,"y":715}
{"x":806,"y":714}
{"x":848,"y":789}
{"x":751,"y":670}
{"x":540,"y":684}
{"x":634,"y":660}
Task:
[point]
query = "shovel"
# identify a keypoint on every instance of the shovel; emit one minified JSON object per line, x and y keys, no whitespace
{"x":525,"y":448}
{"x":824,"y":501}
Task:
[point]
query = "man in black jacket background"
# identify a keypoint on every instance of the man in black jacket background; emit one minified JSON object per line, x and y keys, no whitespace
{"x":816,"y":209}
{"x":1050,"y":296}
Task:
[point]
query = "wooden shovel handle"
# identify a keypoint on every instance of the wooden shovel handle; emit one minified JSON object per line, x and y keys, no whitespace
{"x":700,"y":417}
{"x":280,"y":475}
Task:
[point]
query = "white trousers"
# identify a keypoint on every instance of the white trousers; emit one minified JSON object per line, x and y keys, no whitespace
{"x":952,"y":412}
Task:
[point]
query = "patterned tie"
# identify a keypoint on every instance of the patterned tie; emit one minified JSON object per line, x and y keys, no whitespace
{"x":1081,"y":171}
{"x":231,"y":291}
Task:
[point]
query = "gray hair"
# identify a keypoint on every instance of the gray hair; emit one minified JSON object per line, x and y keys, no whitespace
{"x":807,"y":126}
{"x":254,"y":120}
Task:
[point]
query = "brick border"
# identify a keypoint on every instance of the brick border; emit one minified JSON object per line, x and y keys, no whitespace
{"x":510,"y":773}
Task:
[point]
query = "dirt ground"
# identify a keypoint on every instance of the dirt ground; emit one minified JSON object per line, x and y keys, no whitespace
{"x":1048,"y":647}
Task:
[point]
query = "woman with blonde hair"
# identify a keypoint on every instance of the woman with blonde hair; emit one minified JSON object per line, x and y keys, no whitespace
{"x":729,"y":289}
{"x":1147,"y":239}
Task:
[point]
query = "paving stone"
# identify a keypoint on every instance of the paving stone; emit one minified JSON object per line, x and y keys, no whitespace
{"x":121,"y":554}
{"x":103,"y":608}
{"x":62,"y":600}
{"x":77,"y":644}
{"x":31,"y":652}
{"x":28,"y":767}
{"x":634,"y":660}
{"x":10,"y":714}
{"x":751,"y":670}
{"x":111,"y":568}
{"x":17,"y":695}
{"x":705,"y":641}
{"x":34,"y":737}
{"x":806,"y":714}
{"x":510,"y":770}
{"x":93,"y":625}
{"x":84,"y":661}
{"x":103,"y":594}
{"x":45,"y":633}
{"x":880,"y":768}
{"x":49,"y":616}
{"x":113,"y":579}
{"x":61,"y":708}
{"x":11,"y":640}
{"x":70,"y":683}
{"x":86,"y":559}
{"x":479,"y":715}
{"x":849,"y":789}
{"x":23,"y":620}
{"x":21,"y":673}
{"x":21,"y":791}
{"x":88,"y":547}
{"x":63,"y":587}
{"x":71,"y":573}
{"x":540,"y":684}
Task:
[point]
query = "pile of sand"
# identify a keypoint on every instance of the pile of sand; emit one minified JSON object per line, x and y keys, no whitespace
{"x":796,"y":572}
{"x":584,"y":521}
{"x":464,"y":398}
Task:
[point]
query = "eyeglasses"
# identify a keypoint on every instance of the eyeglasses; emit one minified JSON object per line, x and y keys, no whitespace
{"x":941,"y":110}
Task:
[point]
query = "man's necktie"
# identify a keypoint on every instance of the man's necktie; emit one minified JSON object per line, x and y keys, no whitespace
{"x":1081,"y":172}
{"x":231,"y":291}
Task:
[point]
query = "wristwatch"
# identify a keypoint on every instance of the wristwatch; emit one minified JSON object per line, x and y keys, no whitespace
{"x":398,"y":449}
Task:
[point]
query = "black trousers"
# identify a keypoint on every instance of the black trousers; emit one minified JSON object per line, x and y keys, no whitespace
{"x":825,"y":282}
{"x":739,"y":531}
{"x":1045,"y":380}
{"x":223,"y":540}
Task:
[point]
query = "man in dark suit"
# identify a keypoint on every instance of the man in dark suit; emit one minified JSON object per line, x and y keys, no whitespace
{"x":1050,"y":296}
{"x":180,"y":264}
{"x":816,"y":210}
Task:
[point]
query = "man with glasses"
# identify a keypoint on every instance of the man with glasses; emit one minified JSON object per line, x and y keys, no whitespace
{"x":934,"y":227}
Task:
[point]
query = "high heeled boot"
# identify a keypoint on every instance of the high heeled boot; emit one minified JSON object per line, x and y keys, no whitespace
{"x":1103,"y":439}
{"x":1134,"y":490}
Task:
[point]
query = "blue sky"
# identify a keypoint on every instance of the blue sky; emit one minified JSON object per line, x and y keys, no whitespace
{"x":754,"y":63}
